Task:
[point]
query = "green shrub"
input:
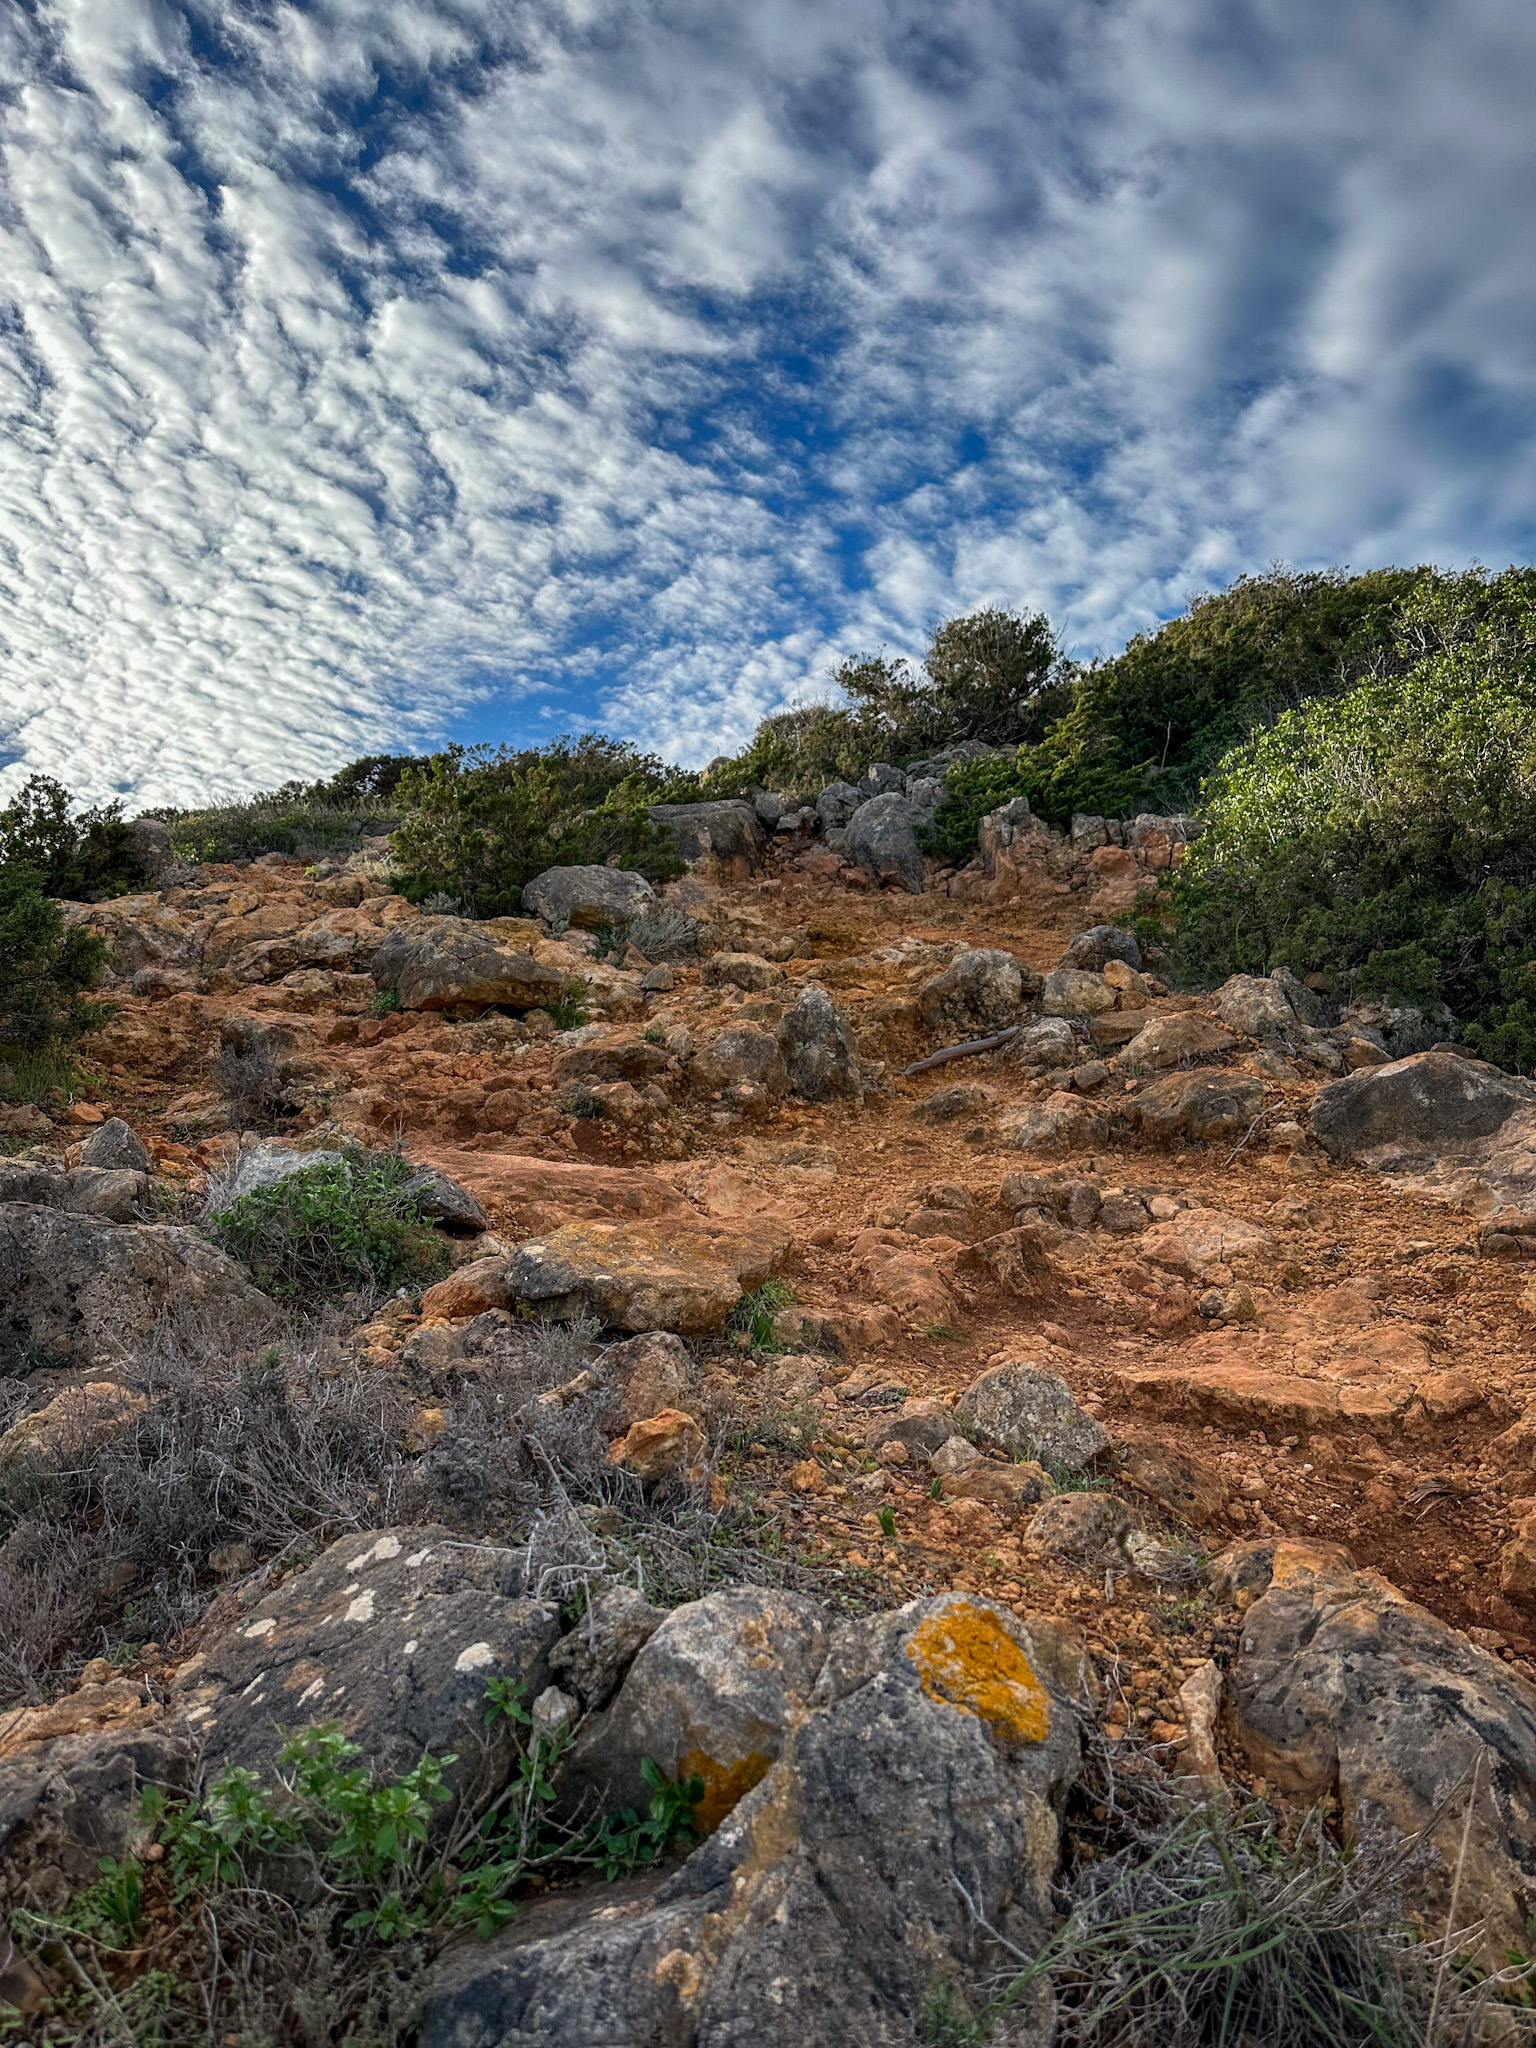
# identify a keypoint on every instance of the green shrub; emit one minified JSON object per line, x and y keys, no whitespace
{"x":1387,"y":837}
{"x":754,"y":1313}
{"x":568,"y":1010}
{"x":45,"y":967}
{"x":311,"y":820}
{"x":481,"y":821}
{"x":971,"y":790}
{"x":327,"y":1229}
{"x":82,"y":855}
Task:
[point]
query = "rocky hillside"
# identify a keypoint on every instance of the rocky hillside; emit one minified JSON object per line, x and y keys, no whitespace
{"x":888,"y":1395}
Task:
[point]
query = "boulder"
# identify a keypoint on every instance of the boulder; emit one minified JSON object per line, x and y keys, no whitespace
{"x":817,"y":1052}
{"x":1416,"y":1106}
{"x":883,"y":780}
{"x":75,"y":1419}
{"x":587,"y":896}
{"x":437,"y":963}
{"x":741,"y":1053}
{"x":837,"y":804}
{"x":882,"y":838}
{"x":620,"y":1058}
{"x":115,"y":1148}
{"x":1023,"y":1410}
{"x":1091,"y":951}
{"x":660,"y":1449}
{"x":1069,"y":992}
{"x":725,"y":836}
{"x":1169,"y":1041}
{"x":1001,"y":829}
{"x":1088,"y":1528}
{"x":635,"y":1276}
{"x":922,"y":1425}
{"x":939,"y":1740}
{"x":1258,"y":1008}
{"x":1059,"y":1124}
{"x":712,"y":1692}
{"x":1185,"y":1486}
{"x":1207,"y":1106}
{"x":92,"y":1290}
{"x":395,"y":1634}
{"x":473,"y":1289}
{"x":599,"y":1650}
{"x":441,"y":1200}
{"x":741,"y":970}
{"x":1047,"y":1046}
{"x":980,"y":991}
{"x":1075,"y":1203}
{"x":1199,"y":1238}
{"x":1343,"y":1687}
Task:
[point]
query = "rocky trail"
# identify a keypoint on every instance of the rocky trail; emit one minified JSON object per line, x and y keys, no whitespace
{"x":1163,"y":1279}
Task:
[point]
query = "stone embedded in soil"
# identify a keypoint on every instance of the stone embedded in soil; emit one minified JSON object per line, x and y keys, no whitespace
{"x":453,"y":962}
{"x":1167,"y":1041}
{"x":1086,"y":1527}
{"x":1022,"y":1409}
{"x":661,"y":1448}
{"x":1062,"y":1123}
{"x":1206,"y":1106}
{"x":1198,"y":1239}
{"x":587,"y":896}
{"x":634,"y":1276}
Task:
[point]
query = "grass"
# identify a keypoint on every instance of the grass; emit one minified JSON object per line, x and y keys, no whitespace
{"x":385,"y":1003}
{"x":28,"y":1075}
{"x":944,"y":1333}
{"x":753,"y":1314}
{"x":568,"y":1010}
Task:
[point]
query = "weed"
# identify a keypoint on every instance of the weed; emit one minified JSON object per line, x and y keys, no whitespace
{"x":581,"y":1103}
{"x":326,"y":1229}
{"x":37,"y":1075}
{"x":654,"y":1034}
{"x":568,"y":1010}
{"x":888,"y":1524}
{"x":385,"y":1003}
{"x":248,"y":1079}
{"x":753,"y":1315}
{"x":626,"y":1841}
{"x":30,"y":1356}
{"x":664,"y":935}
{"x":944,"y":1333}
{"x":441,"y":903}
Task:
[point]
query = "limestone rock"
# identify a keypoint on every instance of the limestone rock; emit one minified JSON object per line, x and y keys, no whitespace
{"x":1257,"y":1007}
{"x":1025,"y":1411}
{"x":394,"y":1634}
{"x":1070,"y":993}
{"x":1075,"y":1203}
{"x":1086,"y":1527}
{"x":116,"y":1148}
{"x":837,"y":804}
{"x":661,"y":1448}
{"x":470,"y":1291}
{"x":817,"y":1052}
{"x":1206,"y":1106}
{"x":437,"y":963}
{"x":1091,"y":951}
{"x":599,"y":1650}
{"x":1197,"y":1239}
{"x":1062,"y":1123}
{"x":587,"y":896}
{"x":1185,"y":1486}
{"x":741,"y":970}
{"x":1343,"y":1686}
{"x":724,"y":837}
{"x":741,"y":1053}
{"x":89,"y":1289}
{"x":640,"y":1277}
{"x":713,"y":1691}
{"x":1168,"y":1041}
{"x":980,"y":991}
{"x":441,"y":1200}
{"x":1047,"y":1046}
{"x":940,"y":1739}
{"x":1419,"y":1105}
{"x":74,"y":1419}
{"x":881,"y":837}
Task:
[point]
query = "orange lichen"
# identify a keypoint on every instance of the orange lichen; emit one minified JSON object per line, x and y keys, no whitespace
{"x":966,"y":1657}
{"x":724,"y":1784}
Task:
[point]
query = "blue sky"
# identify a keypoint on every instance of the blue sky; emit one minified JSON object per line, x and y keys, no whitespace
{"x":375,"y":371}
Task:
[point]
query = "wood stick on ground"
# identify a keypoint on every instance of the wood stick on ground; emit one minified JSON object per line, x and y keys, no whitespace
{"x":963,"y":1052}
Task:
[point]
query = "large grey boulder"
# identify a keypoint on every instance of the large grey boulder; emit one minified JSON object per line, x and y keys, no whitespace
{"x":837,"y":804}
{"x":93,"y":1290}
{"x":116,"y":1148}
{"x":817,"y":1050}
{"x":940,"y":1744}
{"x":726,"y":835}
{"x":980,"y":991}
{"x":393,"y":1633}
{"x":1091,"y":951}
{"x":1022,"y":1410}
{"x":882,"y":838}
{"x":1258,"y":1006}
{"x":883,"y":780}
{"x":1344,"y":1688}
{"x":740,"y":1053}
{"x":1206,"y":1105}
{"x":1420,"y":1105}
{"x":587,"y":896}
{"x":438,"y":963}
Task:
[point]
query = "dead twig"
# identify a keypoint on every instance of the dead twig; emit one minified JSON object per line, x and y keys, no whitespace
{"x":967,"y":1051}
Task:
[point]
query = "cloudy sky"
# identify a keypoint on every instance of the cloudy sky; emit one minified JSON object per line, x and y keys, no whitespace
{"x":378,"y":370}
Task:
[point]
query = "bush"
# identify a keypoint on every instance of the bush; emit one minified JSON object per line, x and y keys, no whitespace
{"x":329,"y":1229}
{"x":483,"y":821}
{"x":971,"y":790}
{"x":310,"y":820}
{"x":44,"y":967}
{"x":1387,"y":837}
{"x":81,"y":855}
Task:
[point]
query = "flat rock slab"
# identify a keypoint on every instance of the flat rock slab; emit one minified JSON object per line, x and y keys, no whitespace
{"x":1197,"y":1239}
{"x":522,"y":1194}
{"x":438,"y":962}
{"x":685,"y":1276}
{"x":394,"y":1634}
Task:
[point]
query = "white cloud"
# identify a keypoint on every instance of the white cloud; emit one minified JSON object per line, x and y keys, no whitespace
{"x":359,"y":358}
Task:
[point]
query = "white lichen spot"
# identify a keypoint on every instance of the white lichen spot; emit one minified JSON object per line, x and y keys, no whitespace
{"x":418,"y":1558}
{"x":362,"y":1607}
{"x":255,"y":1686}
{"x":475,"y":1658}
{"x":411,"y":1647}
{"x":264,"y":1627}
{"x":312,"y":1691}
{"x":348,"y":1591}
{"x":386,"y":1548}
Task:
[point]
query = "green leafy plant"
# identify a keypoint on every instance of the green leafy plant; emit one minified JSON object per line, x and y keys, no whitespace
{"x":80,"y":854}
{"x":626,"y":1841}
{"x":568,"y":1010}
{"x":326,"y":1229}
{"x":888,"y":1524}
{"x":754,"y":1313}
{"x":386,"y":1002}
{"x":45,"y":968}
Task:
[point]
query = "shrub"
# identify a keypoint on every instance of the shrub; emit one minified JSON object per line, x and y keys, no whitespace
{"x":971,"y":790}
{"x":1387,"y":837}
{"x":568,"y":1010}
{"x":329,"y":1229}
{"x":247,"y":1077}
{"x":483,"y":821}
{"x":311,"y":820}
{"x":45,"y":967}
{"x":82,"y":855}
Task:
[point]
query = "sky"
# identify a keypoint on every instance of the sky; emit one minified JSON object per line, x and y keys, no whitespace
{"x":379,"y":372}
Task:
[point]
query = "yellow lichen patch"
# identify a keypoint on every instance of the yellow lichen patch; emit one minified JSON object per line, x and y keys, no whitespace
{"x":724,"y":1784}
{"x":966,"y":1657}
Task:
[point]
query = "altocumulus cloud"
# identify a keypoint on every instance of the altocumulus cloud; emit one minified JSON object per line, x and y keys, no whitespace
{"x":374,"y":369}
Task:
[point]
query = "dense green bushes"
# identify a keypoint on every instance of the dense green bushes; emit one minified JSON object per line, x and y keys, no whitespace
{"x":326,"y":1229}
{"x":81,"y":855}
{"x":1387,"y":837}
{"x":44,"y":967}
{"x":480,"y":822}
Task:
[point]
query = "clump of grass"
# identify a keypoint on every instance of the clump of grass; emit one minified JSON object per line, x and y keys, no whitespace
{"x":580,"y":1102}
{"x":386,"y":1002}
{"x":331,"y":1229}
{"x":753,"y":1315}
{"x":37,"y":1075}
{"x":248,"y":1079}
{"x":568,"y":1010}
